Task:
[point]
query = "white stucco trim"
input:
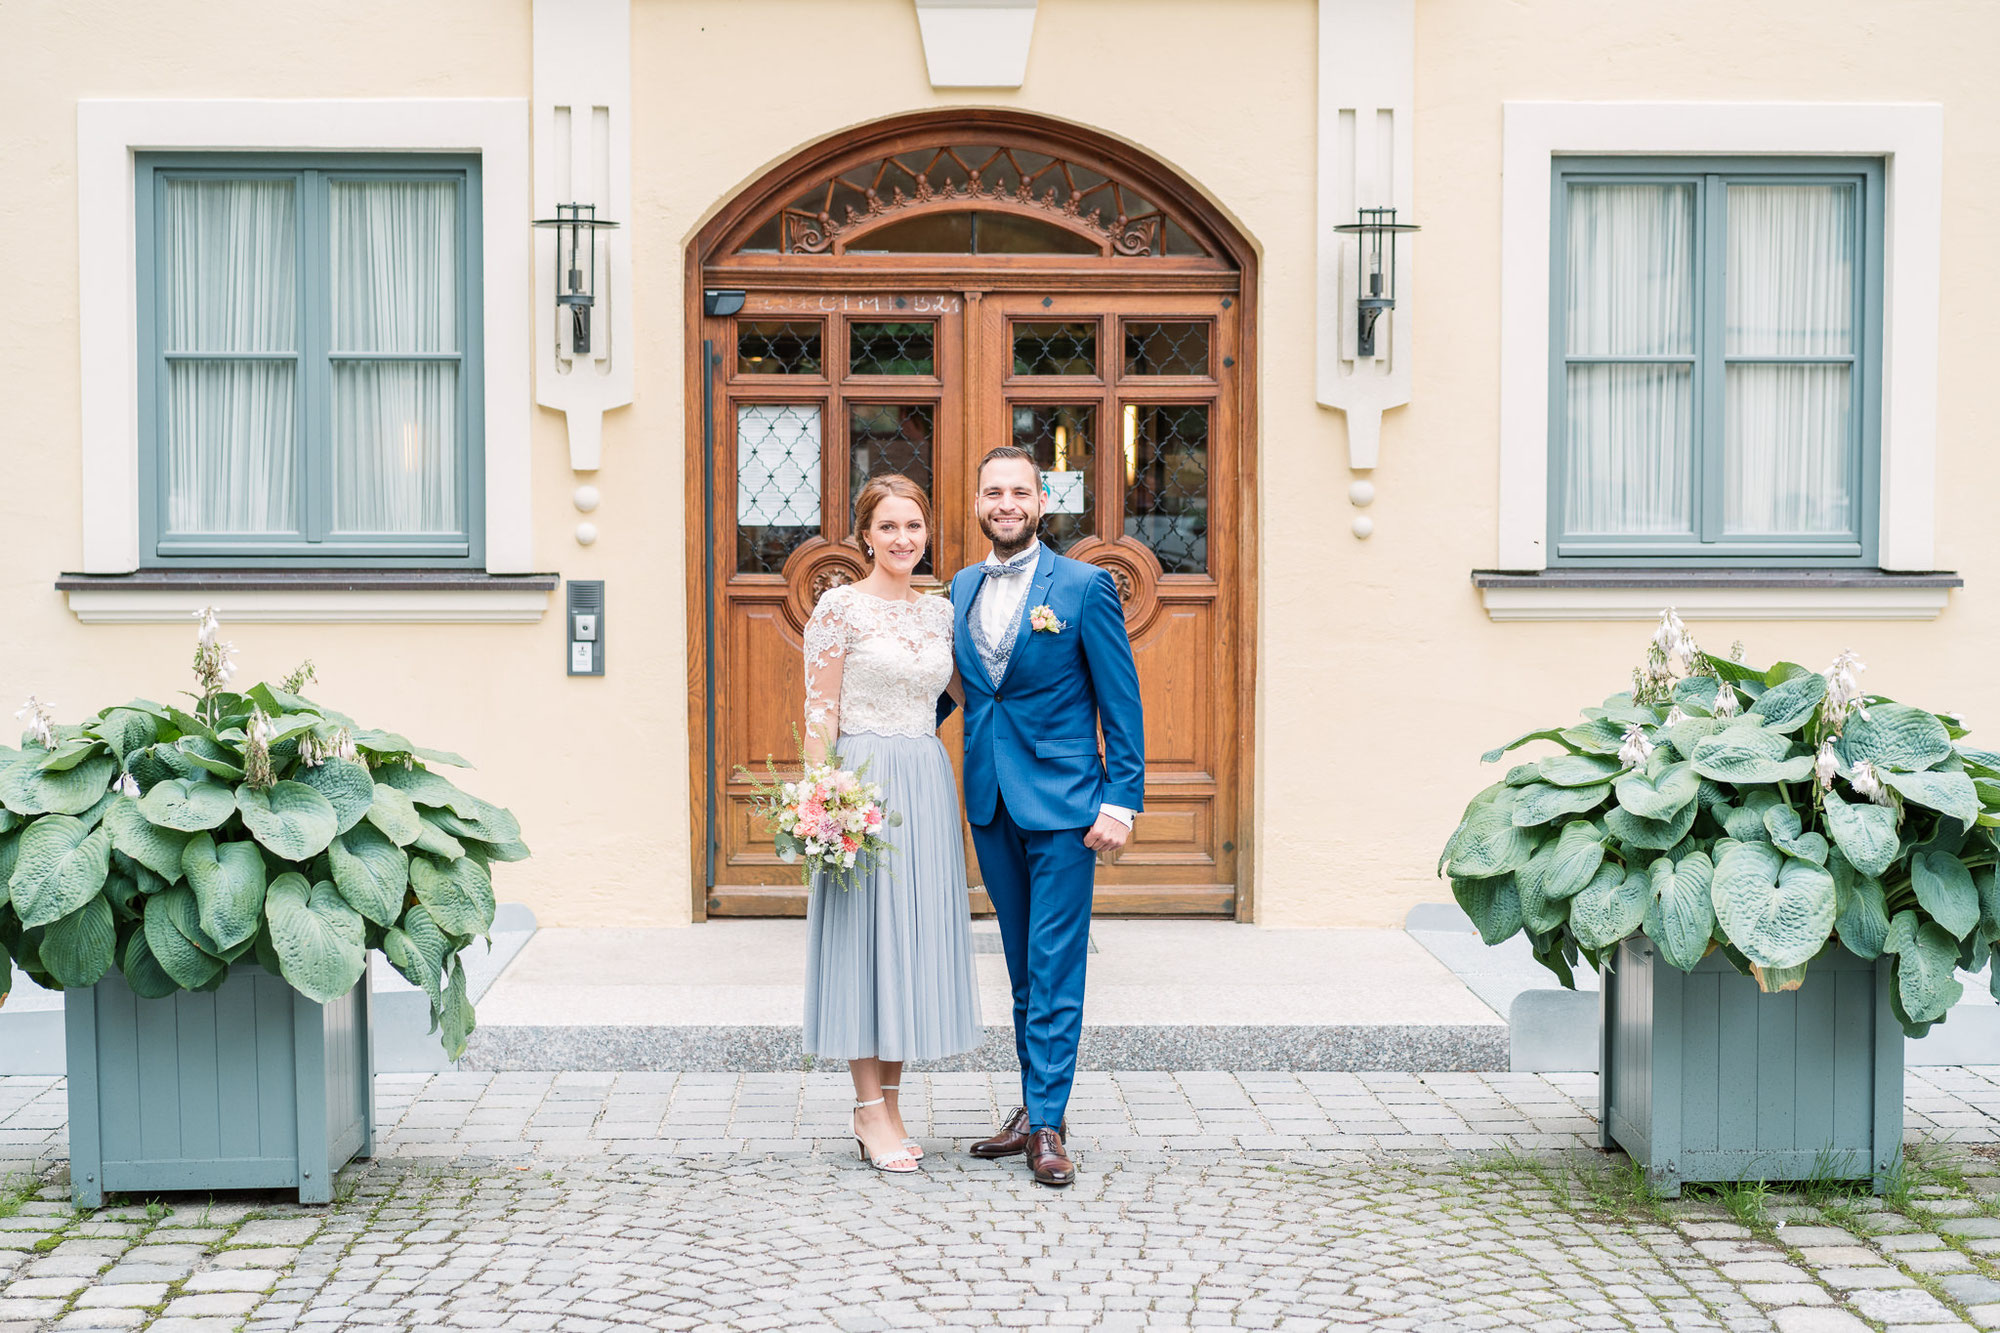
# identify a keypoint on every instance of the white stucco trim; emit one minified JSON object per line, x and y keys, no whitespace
{"x":1909,"y":137}
{"x":310,"y":606}
{"x":110,"y":132}
{"x":976,"y":43}
{"x":1714,"y":603}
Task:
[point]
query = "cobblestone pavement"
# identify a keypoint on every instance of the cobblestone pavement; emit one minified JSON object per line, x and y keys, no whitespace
{"x":1256,"y":1200}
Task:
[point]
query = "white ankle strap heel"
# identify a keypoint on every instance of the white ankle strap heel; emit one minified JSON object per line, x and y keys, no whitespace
{"x":900,"y":1165}
{"x":916,"y":1149}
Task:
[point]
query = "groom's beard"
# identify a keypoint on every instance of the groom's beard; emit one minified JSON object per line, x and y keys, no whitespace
{"x":1008,"y":550}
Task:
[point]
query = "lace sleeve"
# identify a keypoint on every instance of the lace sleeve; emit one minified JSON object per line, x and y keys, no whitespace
{"x":825,"y":653}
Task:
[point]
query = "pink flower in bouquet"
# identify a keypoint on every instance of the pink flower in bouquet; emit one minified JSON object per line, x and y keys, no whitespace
{"x":849,"y":845}
{"x":874,"y":816}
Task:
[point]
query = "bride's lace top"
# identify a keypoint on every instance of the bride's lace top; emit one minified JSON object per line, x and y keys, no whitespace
{"x":876,"y":666}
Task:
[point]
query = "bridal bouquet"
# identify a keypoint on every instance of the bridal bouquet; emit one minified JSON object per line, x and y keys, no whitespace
{"x":831,"y":819}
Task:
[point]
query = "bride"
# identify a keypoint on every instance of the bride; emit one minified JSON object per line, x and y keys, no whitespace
{"x":889,"y":970}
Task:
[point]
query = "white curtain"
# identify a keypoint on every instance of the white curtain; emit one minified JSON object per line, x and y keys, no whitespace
{"x":394,"y":289}
{"x":1787,"y":434}
{"x":229,"y":285}
{"x":1630,"y":292}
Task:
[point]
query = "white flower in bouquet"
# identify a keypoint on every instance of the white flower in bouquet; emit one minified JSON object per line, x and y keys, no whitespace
{"x":41,"y":726}
{"x":1637,"y":749}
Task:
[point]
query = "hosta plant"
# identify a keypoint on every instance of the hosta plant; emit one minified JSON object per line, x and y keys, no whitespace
{"x":1769,"y":813}
{"x":171,"y":843}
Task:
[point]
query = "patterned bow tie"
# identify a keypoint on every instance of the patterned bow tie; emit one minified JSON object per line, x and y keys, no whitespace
{"x":1004,"y":570}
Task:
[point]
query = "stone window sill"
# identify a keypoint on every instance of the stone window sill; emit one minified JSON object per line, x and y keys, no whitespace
{"x":1714,"y":594}
{"x":356,"y":596}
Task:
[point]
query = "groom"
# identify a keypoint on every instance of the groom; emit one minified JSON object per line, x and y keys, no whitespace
{"x":1046,"y":662}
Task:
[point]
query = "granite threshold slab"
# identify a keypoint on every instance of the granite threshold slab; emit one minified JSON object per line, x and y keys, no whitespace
{"x":771,"y":1048}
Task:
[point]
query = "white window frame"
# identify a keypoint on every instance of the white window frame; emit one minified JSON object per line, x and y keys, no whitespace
{"x":1908,"y":137}
{"x":109,"y":135}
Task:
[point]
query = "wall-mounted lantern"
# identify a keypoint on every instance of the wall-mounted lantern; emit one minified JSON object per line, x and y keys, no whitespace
{"x":576,"y":227}
{"x":1375,"y":290}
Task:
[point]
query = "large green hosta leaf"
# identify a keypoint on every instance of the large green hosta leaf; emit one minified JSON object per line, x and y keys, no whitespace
{"x":59,"y":865}
{"x":1540,"y":914}
{"x":188,"y":805}
{"x":417,"y":948}
{"x":1538,"y":804}
{"x":228,"y":884}
{"x":142,"y":970}
{"x":1861,"y":909}
{"x":497,"y":825}
{"x":28,"y":790}
{"x":156,"y":848}
{"x":1782,"y":824}
{"x":1894,"y":736}
{"x":1949,"y":793}
{"x":1486,"y":844}
{"x":318,"y":938}
{"x":1865,"y":833}
{"x":1660,"y":793}
{"x":1697,"y":694}
{"x":1686,"y":913}
{"x":1747,"y":752}
{"x":77,"y":949}
{"x":459,"y":894}
{"x":1652,"y":834}
{"x":1579,"y":851}
{"x":429,"y":789}
{"x":346,"y":786}
{"x":1611,"y":906}
{"x":1600,"y":735}
{"x":395,"y":814}
{"x":1494,"y":755}
{"x":211,"y":758}
{"x":125,"y":730}
{"x":1789,"y":706}
{"x":1493,"y":904}
{"x":434,"y":841}
{"x":1945,"y":888}
{"x":177,"y":942}
{"x":1690,"y":732}
{"x":1578,"y":770}
{"x":371,"y":872}
{"x":455,"y":1016}
{"x":291,"y":819}
{"x":1926,"y":967}
{"x":1777,"y":911}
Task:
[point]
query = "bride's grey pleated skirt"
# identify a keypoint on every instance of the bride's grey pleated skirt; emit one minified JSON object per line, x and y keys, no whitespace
{"x":889,"y":970}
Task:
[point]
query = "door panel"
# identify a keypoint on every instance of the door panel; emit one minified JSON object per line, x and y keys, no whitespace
{"x":1127,"y":401}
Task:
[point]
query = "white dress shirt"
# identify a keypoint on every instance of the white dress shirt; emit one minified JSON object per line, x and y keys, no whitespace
{"x":998,"y":605}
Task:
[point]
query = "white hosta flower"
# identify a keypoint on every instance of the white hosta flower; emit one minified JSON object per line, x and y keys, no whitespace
{"x":1725,"y":700}
{"x":1737,"y":652}
{"x":1675,"y":716}
{"x":126,"y":785}
{"x":1636,"y":749}
{"x":210,"y":623}
{"x":1862,"y":778}
{"x":40,"y":722}
{"x":1826,"y":764}
{"x":1672,"y":637}
{"x":1843,"y":687}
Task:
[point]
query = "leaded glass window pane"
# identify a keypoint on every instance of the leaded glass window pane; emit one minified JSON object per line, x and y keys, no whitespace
{"x":890,"y":438}
{"x":1062,"y":439}
{"x":777,"y":482}
{"x":892,"y":349}
{"x":776,"y":347}
{"x":1166,"y":483}
{"x":1055,"y":349}
{"x":1164,"y":347}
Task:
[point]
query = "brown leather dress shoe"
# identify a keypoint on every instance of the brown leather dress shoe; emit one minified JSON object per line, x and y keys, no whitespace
{"x":1012,"y":1138}
{"x":1048,"y":1159}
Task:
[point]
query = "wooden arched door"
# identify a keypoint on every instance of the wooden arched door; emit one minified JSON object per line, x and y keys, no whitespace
{"x":903,"y":301}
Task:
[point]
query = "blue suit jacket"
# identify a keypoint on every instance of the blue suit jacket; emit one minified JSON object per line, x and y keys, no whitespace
{"x":1031,"y":736}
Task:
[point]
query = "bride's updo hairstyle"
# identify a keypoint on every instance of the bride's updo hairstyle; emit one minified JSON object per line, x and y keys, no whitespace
{"x":874,"y":493}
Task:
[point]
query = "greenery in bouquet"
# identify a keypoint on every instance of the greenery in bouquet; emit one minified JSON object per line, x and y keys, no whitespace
{"x":1769,"y":813}
{"x":257,"y":827}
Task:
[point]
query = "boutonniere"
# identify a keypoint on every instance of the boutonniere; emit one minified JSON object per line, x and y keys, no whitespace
{"x":1044,"y":621}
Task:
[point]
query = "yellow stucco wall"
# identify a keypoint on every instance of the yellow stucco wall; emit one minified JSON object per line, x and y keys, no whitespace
{"x":1380,"y":677}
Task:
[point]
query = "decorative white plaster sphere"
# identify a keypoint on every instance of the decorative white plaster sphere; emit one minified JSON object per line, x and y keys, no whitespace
{"x":1364,"y":526}
{"x":586,"y":533}
{"x":1362,"y":493}
{"x":586,"y":498}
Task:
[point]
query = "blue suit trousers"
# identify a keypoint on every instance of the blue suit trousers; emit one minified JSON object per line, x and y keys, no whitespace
{"x":1041,"y":882}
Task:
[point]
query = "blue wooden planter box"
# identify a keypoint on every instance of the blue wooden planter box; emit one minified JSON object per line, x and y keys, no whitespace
{"x":251,"y":1086}
{"x":1703,"y":1077}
